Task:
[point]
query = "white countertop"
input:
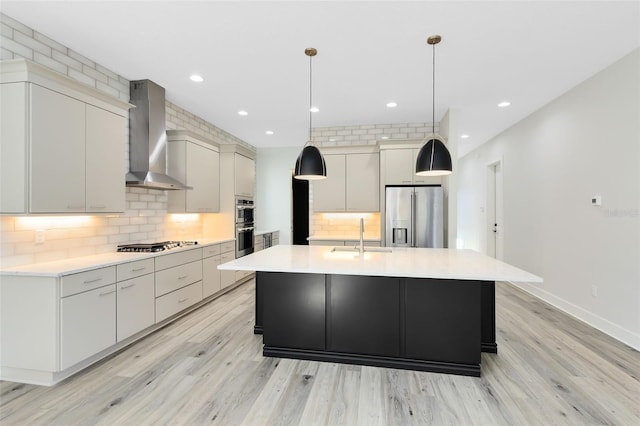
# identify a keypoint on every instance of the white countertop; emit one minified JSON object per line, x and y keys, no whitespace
{"x":74,"y":265}
{"x":401,"y":262}
{"x":267,"y":231}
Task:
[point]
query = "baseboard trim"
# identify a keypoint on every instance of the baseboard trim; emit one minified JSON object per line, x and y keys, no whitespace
{"x":621,"y":334}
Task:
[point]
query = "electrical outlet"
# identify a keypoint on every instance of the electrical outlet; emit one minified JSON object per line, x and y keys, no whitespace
{"x":39,"y":236}
{"x":594,"y":290}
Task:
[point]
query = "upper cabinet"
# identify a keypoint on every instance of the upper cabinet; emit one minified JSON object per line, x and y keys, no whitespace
{"x":197,"y":164}
{"x":399,"y":166}
{"x":62,"y":144}
{"x":352,"y":183}
{"x":245,"y":175}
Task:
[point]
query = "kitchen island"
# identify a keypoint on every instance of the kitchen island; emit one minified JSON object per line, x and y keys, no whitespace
{"x":421,"y":309}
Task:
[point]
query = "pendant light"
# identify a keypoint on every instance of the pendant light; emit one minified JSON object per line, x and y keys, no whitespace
{"x":433,"y":158}
{"x":310,"y":164}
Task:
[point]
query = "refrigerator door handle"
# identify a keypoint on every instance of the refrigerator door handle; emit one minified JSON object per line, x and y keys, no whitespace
{"x":413,"y":219}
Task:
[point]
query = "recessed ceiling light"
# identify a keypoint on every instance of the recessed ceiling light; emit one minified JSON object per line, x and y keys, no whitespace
{"x":392,"y":105}
{"x":465,"y":136}
{"x":243,"y":112}
{"x":197,"y":78}
{"x":269,"y":132}
{"x":314,"y":109}
{"x":504,"y":104}
{"x":385,"y":137}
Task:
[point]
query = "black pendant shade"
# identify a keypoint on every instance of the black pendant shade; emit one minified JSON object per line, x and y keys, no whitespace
{"x":310,"y":164}
{"x":433,"y":159}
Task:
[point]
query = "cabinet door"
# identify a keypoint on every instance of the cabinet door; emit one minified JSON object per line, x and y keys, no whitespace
{"x":363,"y":182}
{"x":106,"y":136}
{"x":210,"y":276}
{"x":203,"y":171}
{"x":13,"y":148}
{"x":57,"y":153}
{"x":245,"y":175}
{"x":227,"y":277}
{"x":87,"y":324}
{"x":329,"y":193}
{"x":136,"y":305}
{"x":399,"y":167}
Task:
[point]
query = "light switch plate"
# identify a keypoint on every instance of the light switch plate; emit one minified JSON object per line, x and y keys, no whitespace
{"x":596,"y":200}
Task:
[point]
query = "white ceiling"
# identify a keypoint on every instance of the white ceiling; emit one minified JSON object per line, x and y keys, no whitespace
{"x":251,"y":55}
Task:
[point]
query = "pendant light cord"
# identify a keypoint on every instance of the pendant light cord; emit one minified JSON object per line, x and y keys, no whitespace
{"x":310,"y":97}
{"x":433,"y":108}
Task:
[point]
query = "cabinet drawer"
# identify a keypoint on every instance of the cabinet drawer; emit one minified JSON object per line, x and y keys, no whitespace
{"x":228,"y":246}
{"x":175,"y":259}
{"x":172,"y":279}
{"x":177,"y":301}
{"x":88,"y":280}
{"x":211,"y":250}
{"x":126,"y":271}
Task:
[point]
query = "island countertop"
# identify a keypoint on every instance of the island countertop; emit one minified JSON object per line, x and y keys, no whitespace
{"x":401,"y":262}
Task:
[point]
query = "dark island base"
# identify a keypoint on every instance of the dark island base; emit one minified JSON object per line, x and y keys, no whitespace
{"x":375,"y":361}
{"x":419,"y":324}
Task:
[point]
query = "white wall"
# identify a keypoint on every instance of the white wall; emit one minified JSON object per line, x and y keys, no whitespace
{"x":584,"y":143}
{"x":273,"y":190}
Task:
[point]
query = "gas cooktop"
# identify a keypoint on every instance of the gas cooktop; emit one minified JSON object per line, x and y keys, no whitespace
{"x":154,"y":247}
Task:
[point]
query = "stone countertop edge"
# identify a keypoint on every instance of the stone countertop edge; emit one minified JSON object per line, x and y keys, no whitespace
{"x":58,"y":268}
{"x":401,"y":262}
{"x":343,"y":238}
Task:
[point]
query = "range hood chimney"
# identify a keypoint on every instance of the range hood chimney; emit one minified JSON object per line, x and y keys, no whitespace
{"x":148,"y":138}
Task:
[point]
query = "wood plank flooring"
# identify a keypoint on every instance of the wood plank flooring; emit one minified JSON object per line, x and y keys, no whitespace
{"x":208,"y":368}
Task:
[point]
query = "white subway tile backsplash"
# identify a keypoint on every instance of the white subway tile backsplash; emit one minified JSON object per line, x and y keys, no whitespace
{"x":51,"y":43}
{"x":65,"y":59}
{"x":16,"y":48}
{"x":18,"y":26}
{"x":83,"y":78}
{"x":31,"y":43}
{"x":6,"y":30}
{"x":78,"y":57}
{"x":49,"y":62}
{"x":5,"y":54}
{"x":95,"y":74}
{"x":107,"y":89}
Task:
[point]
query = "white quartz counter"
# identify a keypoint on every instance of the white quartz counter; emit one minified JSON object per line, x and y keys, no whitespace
{"x":401,"y":262}
{"x":350,"y":237}
{"x":80,"y":264}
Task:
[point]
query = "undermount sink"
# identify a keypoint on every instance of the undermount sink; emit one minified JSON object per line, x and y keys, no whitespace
{"x":357,"y":249}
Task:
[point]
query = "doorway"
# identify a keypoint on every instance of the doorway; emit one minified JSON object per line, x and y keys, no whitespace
{"x":300,"y":214}
{"x":495,"y":214}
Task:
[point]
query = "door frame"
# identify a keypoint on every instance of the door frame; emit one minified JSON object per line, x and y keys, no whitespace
{"x":494,"y":202}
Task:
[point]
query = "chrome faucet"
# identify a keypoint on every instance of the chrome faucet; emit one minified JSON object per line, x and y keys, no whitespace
{"x":361,"y":235}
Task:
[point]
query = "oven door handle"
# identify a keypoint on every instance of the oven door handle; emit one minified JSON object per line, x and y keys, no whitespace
{"x":248,"y":228}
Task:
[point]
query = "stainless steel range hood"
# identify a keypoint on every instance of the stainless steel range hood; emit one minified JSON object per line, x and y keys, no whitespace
{"x":148,"y":139}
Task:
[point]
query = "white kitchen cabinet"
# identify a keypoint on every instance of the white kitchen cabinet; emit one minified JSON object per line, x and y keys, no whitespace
{"x":352,"y":184}
{"x":245,"y":175}
{"x":363,"y":182}
{"x":105,"y":150}
{"x":87,"y":324}
{"x":62,"y":146}
{"x":197,"y":164}
{"x":211,"y":283}
{"x":227,"y":254}
{"x":178,"y":282}
{"x":400,"y":168}
{"x":329,"y":193}
{"x":135,"y":298}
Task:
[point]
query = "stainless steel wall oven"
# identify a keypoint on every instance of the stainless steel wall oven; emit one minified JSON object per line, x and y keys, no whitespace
{"x":244,"y":227}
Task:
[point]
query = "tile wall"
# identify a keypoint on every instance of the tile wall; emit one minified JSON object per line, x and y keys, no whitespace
{"x":145,"y":218}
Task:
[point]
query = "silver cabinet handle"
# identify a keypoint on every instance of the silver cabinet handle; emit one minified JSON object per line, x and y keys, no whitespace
{"x":183,"y":277}
{"x":75,"y":206}
{"x":183,"y":300}
{"x":138,"y":269}
{"x":107,"y":293}
{"x":124,"y":287}
{"x":92,"y":281}
{"x":98,"y":206}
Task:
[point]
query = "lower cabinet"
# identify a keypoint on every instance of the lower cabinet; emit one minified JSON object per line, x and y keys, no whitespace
{"x":228,"y":253}
{"x":87,"y":324}
{"x":178,"y":300}
{"x":211,"y":283}
{"x":135,"y":305}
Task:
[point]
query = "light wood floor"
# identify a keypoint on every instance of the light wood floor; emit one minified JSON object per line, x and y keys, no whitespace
{"x":207,"y":368}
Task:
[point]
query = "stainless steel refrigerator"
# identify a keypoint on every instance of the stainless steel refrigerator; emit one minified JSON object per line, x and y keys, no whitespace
{"x":414,"y":216}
